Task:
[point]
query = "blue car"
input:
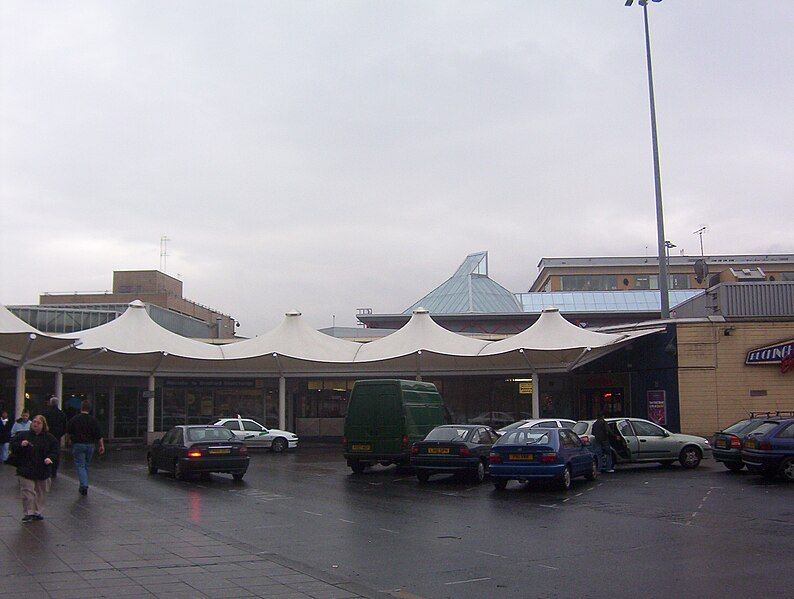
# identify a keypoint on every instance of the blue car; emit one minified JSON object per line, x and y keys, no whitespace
{"x":769,"y":449}
{"x":540,"y":453}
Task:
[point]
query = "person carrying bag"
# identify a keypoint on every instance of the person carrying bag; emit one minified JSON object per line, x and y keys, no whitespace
{"x":33,"y":453}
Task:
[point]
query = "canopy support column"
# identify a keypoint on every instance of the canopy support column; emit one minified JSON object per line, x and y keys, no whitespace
{"x":58,"y":391}
{"x":112,"y":411}
{"x":19,"y":404}
{"x":419,"y":365}
{"x":535,"y":395}
{"x":150,"y":406}
{"x":282,"y":403}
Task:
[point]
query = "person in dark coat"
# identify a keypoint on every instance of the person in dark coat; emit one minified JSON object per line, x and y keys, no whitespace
{"x":56,"y":419}
{"x":5,"y":435}
{"x":34,"y":452}
{"x":603,"y":449}
{"x":84,"y":433}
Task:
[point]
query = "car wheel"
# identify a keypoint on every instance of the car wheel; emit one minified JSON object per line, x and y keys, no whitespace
{"x":593,"y":472}
{"x":478,"y":474}
{"x":150,"y":465}
{"x":238,"y":476}
{"x":690,"y":457}
{"x":787,"y":470}
{"x":734,"y":466}
{"x":500,"y":484}
{"x":566,"y":479}
{"x":179,"y":472}
{"x":357,"y":467}
{"x":279,"y":445}
{"x":422,"y":476}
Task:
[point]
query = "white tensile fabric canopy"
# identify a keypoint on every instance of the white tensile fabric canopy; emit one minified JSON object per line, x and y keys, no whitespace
{"x":135,"y":344}
{"x":20,"y":342}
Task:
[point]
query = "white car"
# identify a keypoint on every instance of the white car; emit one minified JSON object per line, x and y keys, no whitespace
{"x":254,"y":434}
{"x":538,"y":423}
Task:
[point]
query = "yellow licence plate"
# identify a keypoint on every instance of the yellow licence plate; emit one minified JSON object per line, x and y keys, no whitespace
{"x":361,"y":447}
{"x":219,"y":451}
{"x":721,"y":443}
{"x":521,"y":457}
{"x":750,"y":444}
{"x":438,"y":450}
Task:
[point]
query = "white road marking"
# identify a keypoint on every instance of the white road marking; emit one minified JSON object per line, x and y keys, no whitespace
{"x":348,"y":521}
{"x":467,"y":581}
{"x":548,"y":567}
{"x":544,"y":505}
{"x":579,"y":494}
{"x":312,"y":513}
{"x":491,"y":554}
{"x":395,"y":532}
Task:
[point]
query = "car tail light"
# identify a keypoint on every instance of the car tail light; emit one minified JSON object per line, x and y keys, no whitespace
{"x":548,"y":458}
{"x":414,"y":449}
{"x":494,"y":458}
{"x":194,"y":453}
{"x":464,"y":452}
{"x":243,"y":450}
{"x":765,"y":445}
{"x":585,"y":439}
{"x":405,"y":440}
{"x":736,"y":442}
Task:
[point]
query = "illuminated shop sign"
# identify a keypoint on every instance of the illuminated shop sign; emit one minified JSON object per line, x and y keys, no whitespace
{"x":781,"y":353}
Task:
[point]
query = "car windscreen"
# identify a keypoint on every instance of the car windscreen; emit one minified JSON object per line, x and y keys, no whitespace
{"x":740,"y":426}
{"x":524,"y":437}
{"x":580,"y":428}
{"x":515,"y":425}
{"x":215,"y":433}
{"x":447,"y":434}
{"x":765,"y":428}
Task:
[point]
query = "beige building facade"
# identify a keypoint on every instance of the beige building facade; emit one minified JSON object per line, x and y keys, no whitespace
{"x":716,"y":385}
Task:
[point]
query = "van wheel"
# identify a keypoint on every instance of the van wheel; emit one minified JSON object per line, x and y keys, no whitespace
{"x":357,"y":467}
{"x":423,"y":476}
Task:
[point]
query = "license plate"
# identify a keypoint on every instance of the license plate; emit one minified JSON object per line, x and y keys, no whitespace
{"x":750,"y":444}
{"x":219,"y":451}
{"x":521,"y":457}
{"x":361,"y":447}
{"x":721,"y":443}
{"x":438,"y":450}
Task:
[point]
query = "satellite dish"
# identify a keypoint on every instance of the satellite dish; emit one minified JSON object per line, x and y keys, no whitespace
{"x":701,"y":270}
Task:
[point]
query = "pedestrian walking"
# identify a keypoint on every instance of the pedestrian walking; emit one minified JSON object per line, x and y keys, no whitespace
{"x":22,"y":423}
{"x":57,"y":421}
{"x":84,"y":433}
{"x":5,"y":435}
{"x":602,"y":447}
{"x":34,"y":452}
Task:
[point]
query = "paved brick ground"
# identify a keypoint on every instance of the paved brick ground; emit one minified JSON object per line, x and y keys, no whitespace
{"x":107,"y":546}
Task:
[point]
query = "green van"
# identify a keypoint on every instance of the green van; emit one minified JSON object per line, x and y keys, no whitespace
{"x":385,"y":417}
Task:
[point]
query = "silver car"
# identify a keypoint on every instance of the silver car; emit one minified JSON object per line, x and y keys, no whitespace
{"x":638,"y":440}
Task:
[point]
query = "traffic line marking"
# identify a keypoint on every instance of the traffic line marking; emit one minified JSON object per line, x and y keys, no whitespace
{"x":467,"y":581}
{"x":548,"y":567}
{"x":312,"y":513}
{"x":389,"y":530}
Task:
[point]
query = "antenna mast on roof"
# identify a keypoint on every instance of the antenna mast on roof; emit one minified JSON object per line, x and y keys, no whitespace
{"x":163,"y":252}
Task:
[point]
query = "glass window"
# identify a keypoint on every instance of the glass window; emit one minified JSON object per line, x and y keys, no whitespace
{"x":765,"y":427}
{"x":739,"y":426}
{"x":524,"y":437}
{"x":646,"y":429}
{"x":515,"y":425}
{"x":250,"y":425}
{"x":179,"y":437}
{"x":786,"y":433}
{"x":786,"y":276}
{"x":625,"y":428}
{"x":566,"y":440}
{"x":209,"y":434}
{"x":447,"y":434}
{"x":545,"y":424}
{"x":589,"y":282}
{"x":232,"y":425}
{"x":580,"y":428}
{"x":169,"y":437}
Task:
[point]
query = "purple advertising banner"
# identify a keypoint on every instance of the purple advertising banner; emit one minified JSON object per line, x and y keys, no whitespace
{"x":657,"y":407}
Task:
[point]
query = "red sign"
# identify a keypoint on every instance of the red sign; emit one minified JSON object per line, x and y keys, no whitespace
{"x":657,"y":407}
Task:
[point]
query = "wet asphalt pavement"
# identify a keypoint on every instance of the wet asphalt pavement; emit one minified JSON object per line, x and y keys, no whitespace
{"x":301,"y":525}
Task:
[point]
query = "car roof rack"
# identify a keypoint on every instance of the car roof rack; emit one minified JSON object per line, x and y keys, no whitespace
{"x":773,"y":414}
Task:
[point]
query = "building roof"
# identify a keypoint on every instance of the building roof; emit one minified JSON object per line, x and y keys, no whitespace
{"x":727,"y":260}
{"x":756,"y":299}
{"x":469,"y":290}
{"x":602,"y":302}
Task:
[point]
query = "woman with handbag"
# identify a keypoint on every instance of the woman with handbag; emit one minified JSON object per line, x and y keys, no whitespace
{"x":34,"y":451}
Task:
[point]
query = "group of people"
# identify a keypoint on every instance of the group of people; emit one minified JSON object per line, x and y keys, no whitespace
{"x":34,"y":447}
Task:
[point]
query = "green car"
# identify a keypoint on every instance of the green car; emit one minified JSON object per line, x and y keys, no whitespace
{"x":385,"y":417}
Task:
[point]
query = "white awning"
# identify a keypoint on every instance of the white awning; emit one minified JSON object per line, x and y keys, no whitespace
{"x":20,"y":342}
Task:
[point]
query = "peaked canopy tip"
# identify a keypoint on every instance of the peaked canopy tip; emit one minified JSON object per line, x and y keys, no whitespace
{"x":551,"y":309}
{"x":293,"y":313}
{"x":421,"y":310}
{"x":137,"y":304}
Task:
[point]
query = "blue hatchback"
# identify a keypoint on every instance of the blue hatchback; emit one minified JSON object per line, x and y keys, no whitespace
{"x":769,"y":449}
{"x":540,"y":453}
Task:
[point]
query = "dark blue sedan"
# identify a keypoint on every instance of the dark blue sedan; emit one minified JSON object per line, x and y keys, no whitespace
{"x":770,"y":449}
{"x":536,"y":454}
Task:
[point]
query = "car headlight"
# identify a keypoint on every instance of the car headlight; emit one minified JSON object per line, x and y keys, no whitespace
{"x":706,"y":441}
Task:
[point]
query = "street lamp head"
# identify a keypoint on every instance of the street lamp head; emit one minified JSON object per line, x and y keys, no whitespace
{"x":641,"y":2}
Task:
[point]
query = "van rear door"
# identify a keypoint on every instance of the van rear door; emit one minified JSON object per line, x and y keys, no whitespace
{"x":389,"y":420}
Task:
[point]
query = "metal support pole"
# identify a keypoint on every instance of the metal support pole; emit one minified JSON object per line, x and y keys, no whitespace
{"x":150,"y":406}
{"x":59,"y":388}
{"x":663,"y":271}
{"x":282,"y":403}
{"x":112,"y":411}
{"x":535,"y":395}
{"x":19,"y":404}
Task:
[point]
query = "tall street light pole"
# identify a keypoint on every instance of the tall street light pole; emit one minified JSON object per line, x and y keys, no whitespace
{"x":663,"y":274}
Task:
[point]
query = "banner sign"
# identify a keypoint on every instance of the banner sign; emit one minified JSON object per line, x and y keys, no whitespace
{"x":657,"y":406}
{"x":781,"y":353}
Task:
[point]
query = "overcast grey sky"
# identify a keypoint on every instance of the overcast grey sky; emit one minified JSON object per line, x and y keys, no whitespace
{"x":333,"y":155}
